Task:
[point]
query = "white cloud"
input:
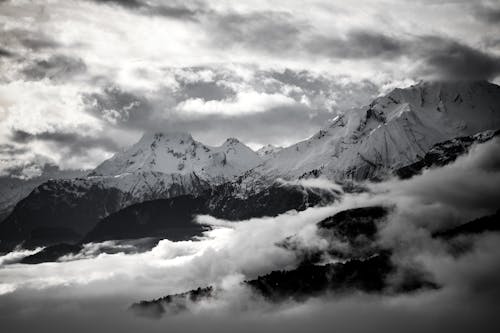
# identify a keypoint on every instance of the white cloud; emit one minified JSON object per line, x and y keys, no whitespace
{"x":244,"y":102}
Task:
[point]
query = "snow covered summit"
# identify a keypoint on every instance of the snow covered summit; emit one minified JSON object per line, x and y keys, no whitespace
{"x":268,"y":151}
{"x":393,"y":131}
{"x":179,"y":153}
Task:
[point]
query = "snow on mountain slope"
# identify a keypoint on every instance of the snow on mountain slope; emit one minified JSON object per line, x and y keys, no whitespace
{"x":163,"y":165}
{"x":179,"y":153}
{"x":393,"y":131}
{"x":268,"y":151}
{"x":159,"y":166}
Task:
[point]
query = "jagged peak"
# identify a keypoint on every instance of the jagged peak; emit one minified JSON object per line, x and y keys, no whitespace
{"x":156,"y":136}
{"x":231,"y":141}
{"x":450,"y":86}
{"x":268,"y":149}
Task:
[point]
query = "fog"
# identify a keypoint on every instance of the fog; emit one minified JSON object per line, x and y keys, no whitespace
{"x":92,"y":290}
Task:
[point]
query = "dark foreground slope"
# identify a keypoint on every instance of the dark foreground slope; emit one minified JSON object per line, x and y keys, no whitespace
{"x":174,"y":218}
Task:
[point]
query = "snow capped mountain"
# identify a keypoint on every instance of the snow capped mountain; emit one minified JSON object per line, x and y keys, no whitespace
{"x":268,"y":151}
{"x":393,"y":131}
{"x":159,"y":166}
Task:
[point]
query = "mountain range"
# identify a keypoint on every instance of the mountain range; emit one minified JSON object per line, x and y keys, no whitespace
{"x":400,"y":133}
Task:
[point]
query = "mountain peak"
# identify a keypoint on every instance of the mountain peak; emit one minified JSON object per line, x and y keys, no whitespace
{"x":392,"y":131}
{"x":268,"y":151}
{"x":174,"y":152}
{"x":231,"y":141}
{"x":150,"y":137}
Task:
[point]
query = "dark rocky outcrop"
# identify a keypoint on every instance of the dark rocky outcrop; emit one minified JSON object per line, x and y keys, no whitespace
{"x":52,"y":253}
{"x":490,"y":223}
{"x":173,"y":218}
{"x":444,"y":153}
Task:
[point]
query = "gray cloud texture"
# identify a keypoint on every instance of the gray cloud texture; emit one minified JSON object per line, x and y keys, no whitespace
{"x":282,"y":70}
{"x":76,"y":143}
{"x":56,"y":68}
{"x":173,"y":10}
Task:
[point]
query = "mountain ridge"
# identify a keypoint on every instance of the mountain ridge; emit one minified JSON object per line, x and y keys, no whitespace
{"x":394,"y":131}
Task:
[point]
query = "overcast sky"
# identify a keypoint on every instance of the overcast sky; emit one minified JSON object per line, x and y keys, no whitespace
{"x":80,"y":79}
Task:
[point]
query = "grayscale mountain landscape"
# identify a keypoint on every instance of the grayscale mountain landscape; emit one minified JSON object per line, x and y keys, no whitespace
{"x":230,"y":166}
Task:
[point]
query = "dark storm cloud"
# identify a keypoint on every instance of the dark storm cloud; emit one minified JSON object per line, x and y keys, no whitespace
{"x":280,"y":33}
{"x":440,"y":57}
{"x":11,"y":150}
{"x":175,"y":9}
{"x":39,"y":42}
{"x":74,"y":142}
{"x":5,"y":53}
{"x":452,"y":60}
{"x":490,"y":14}
{"x":207,"y":91}
{"x":264,"y":31}
{"x":124,"y":3}
{"x":57,"y":67}
{"x":29,"y":39}
{"x":356,"y":44}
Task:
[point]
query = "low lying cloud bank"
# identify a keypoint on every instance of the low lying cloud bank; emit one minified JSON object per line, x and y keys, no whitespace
{"x":92,"y":292}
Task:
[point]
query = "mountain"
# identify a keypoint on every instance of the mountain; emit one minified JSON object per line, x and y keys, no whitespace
{"x":393,"y":131}
{"x":173,"y":218}
{"x":442,"y":119}
{"x":179,"y":153}
{"x":268,"y":151}
{"x":445,"y":152}
{"x":15,"y":187}
{"x":160,"y":165}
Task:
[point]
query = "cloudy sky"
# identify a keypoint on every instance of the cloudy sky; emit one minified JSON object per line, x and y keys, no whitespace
{"x":82,"y":79}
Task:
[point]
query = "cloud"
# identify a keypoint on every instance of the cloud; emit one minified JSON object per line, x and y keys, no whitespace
{"x":357,"y":44}
{"x":76,"y":143}
{"x":206,"y":91}
{"x":125,"y":3}
{"x":265,"y":31}
{"x":257,"y":106}
{"x":5,"y":53}
{"x":319,"y":183}
{"x":488,"y":13}
{"x":438,"y":57}
{"x":31,"y":40}
{"x":57,"y":68}
{"x":135,"y":66}
{"x":244,"y":102}
{"x":174,"y":9}
{"x":451,"y":60}
{"x":117,"y":106}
